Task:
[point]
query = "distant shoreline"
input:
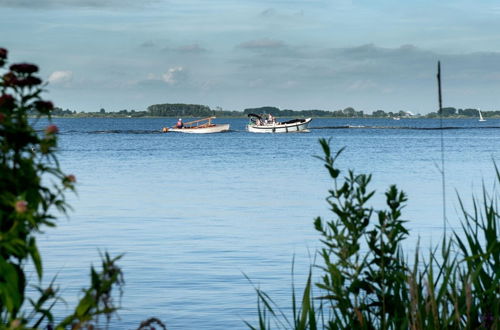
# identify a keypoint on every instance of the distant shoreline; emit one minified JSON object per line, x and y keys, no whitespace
{"x":112,"y":115}
{"x":181,"y":110}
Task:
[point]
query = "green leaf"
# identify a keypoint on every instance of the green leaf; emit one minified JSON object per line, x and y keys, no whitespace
{"x":35,"y":256}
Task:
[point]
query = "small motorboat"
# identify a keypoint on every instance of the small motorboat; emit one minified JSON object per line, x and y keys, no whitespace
{"x":200,"y":126}
{"x":258,"y":124}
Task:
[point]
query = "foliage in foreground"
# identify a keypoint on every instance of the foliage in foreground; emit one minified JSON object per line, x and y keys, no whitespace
{"x":366,"y":282}
{"x":32,"y":186}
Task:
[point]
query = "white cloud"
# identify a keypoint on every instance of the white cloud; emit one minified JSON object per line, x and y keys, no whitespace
{"x":174,"y":76}
{"x":60,"y":77}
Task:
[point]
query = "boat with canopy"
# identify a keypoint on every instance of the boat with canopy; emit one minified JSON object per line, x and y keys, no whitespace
{"x":259,"y":124}
{"x":200,"y":126}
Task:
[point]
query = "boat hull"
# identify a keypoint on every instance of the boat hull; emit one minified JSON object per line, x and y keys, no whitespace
{"x":280,"y":128}
{"x":202,"y":130}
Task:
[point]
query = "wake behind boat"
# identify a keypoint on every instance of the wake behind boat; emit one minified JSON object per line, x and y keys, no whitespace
{"x":200,"y":126}
{"x":260,"y":125}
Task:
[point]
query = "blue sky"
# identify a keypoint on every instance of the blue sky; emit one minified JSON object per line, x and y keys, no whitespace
{"x":295,"y":54}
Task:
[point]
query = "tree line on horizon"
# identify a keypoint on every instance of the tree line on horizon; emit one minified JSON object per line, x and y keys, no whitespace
{"x":179,"y":110}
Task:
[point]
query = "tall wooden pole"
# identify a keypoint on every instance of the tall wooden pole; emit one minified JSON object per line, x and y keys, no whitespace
{"x":443,"y":181}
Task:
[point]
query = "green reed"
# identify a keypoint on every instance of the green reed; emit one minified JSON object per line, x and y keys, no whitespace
{"x":366,"y":282}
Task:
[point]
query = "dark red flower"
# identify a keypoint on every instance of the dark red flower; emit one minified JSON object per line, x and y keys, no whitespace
{"x":2,"y":118}
{"x":29,"y":81}
{"x":10,"y":79}
{"x":24,"y":68}
{"x":3,"y":56}
{"x":7,"y":102}
{"x":44,"y":106}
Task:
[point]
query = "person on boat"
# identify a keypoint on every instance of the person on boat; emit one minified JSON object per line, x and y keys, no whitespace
{"x":270,"y":119}
{"x":180,"y":124}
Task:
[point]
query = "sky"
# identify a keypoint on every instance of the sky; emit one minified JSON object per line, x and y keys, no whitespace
{"x":237,"y":54}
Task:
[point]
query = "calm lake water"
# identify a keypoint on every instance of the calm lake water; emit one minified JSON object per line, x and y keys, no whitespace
{"x":194,"y":213}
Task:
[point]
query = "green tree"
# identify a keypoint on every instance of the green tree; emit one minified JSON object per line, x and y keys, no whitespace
{"x":468,"y":112}
{"x":179,"y":110}
{"x":349,"y":112}
{"x":449,"y":111}
{"x":263,"y":110}
{"x":379,"y":113}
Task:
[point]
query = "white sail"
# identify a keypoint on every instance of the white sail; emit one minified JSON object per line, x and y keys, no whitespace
{"x":481,"y":116}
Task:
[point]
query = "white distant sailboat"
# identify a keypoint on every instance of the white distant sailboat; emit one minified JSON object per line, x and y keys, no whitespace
{"x":481,"y":116}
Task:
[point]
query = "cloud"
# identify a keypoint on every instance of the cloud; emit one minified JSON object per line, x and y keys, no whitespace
{"x":274,"y":14}
{"x":290,"y":84}
{"x":194,"y":48}
{"x":259,"y":82}
{"x":361,"y":75}
{"x":60,"y":77}
{"x":362,"y":85}
{"x":371,"y":61}
{"x":187,"y":49}
{"x":148,"y":44}
{"x":262,"y":44}
{"x":269,"y":12}
{"x":174,"y":76}
{"x":74,"y":3}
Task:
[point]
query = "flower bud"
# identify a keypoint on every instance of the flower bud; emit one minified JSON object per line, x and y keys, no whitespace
{"x":21,"y":206}
{"x":51,"y":129}
{"x":15,"y":324}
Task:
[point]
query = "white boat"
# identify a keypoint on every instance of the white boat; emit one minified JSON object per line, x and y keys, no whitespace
{"x":200,"y":126}
{"x":481,"y":116}
{"x":259,"y":125}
